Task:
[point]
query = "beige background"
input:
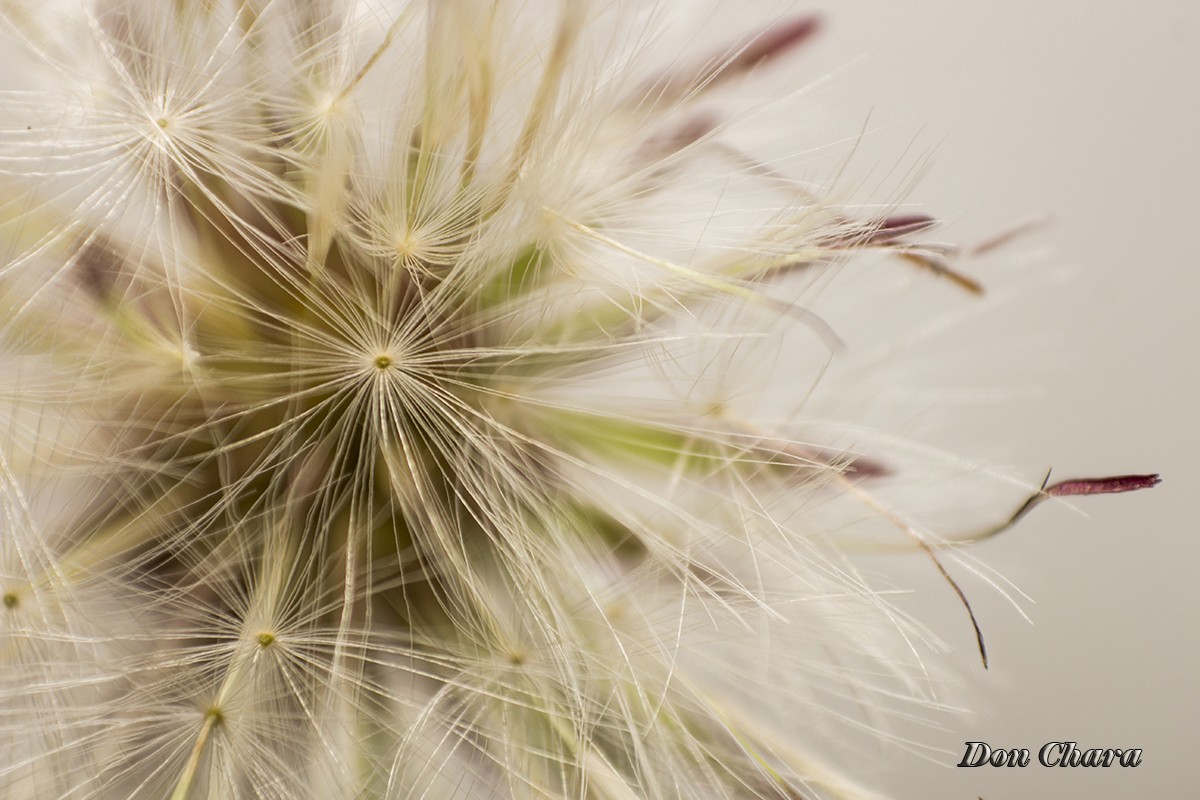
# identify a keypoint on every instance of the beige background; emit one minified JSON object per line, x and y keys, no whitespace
{"x":1088,"y":111}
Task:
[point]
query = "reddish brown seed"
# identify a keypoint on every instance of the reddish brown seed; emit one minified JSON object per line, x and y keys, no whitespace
{"x":688,"y":80}
{"x":861,"y":467}
{"x":691,"y":130}
{"x":772,"y":43}
{"x":938,"y":266}
{"x":1079,"y":486}
{"x":1110,"y":485}
{"x":98,"y":267}
{"x":768,"y":45}
{"x":897,"y":227}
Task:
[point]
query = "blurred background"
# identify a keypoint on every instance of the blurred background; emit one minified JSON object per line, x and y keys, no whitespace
{"x":1082,"y":358}
{"x":1088,"y":112}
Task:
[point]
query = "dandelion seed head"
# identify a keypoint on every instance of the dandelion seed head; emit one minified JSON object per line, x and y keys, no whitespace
{"x":419,"y":399}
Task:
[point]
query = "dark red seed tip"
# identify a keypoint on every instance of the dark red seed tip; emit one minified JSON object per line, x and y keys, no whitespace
{"x":901,"y":224}
{"x":861,"y":467}
{"x":891,"y":229}
{"x":1111,"y":485}
{"x":775,"y":41}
